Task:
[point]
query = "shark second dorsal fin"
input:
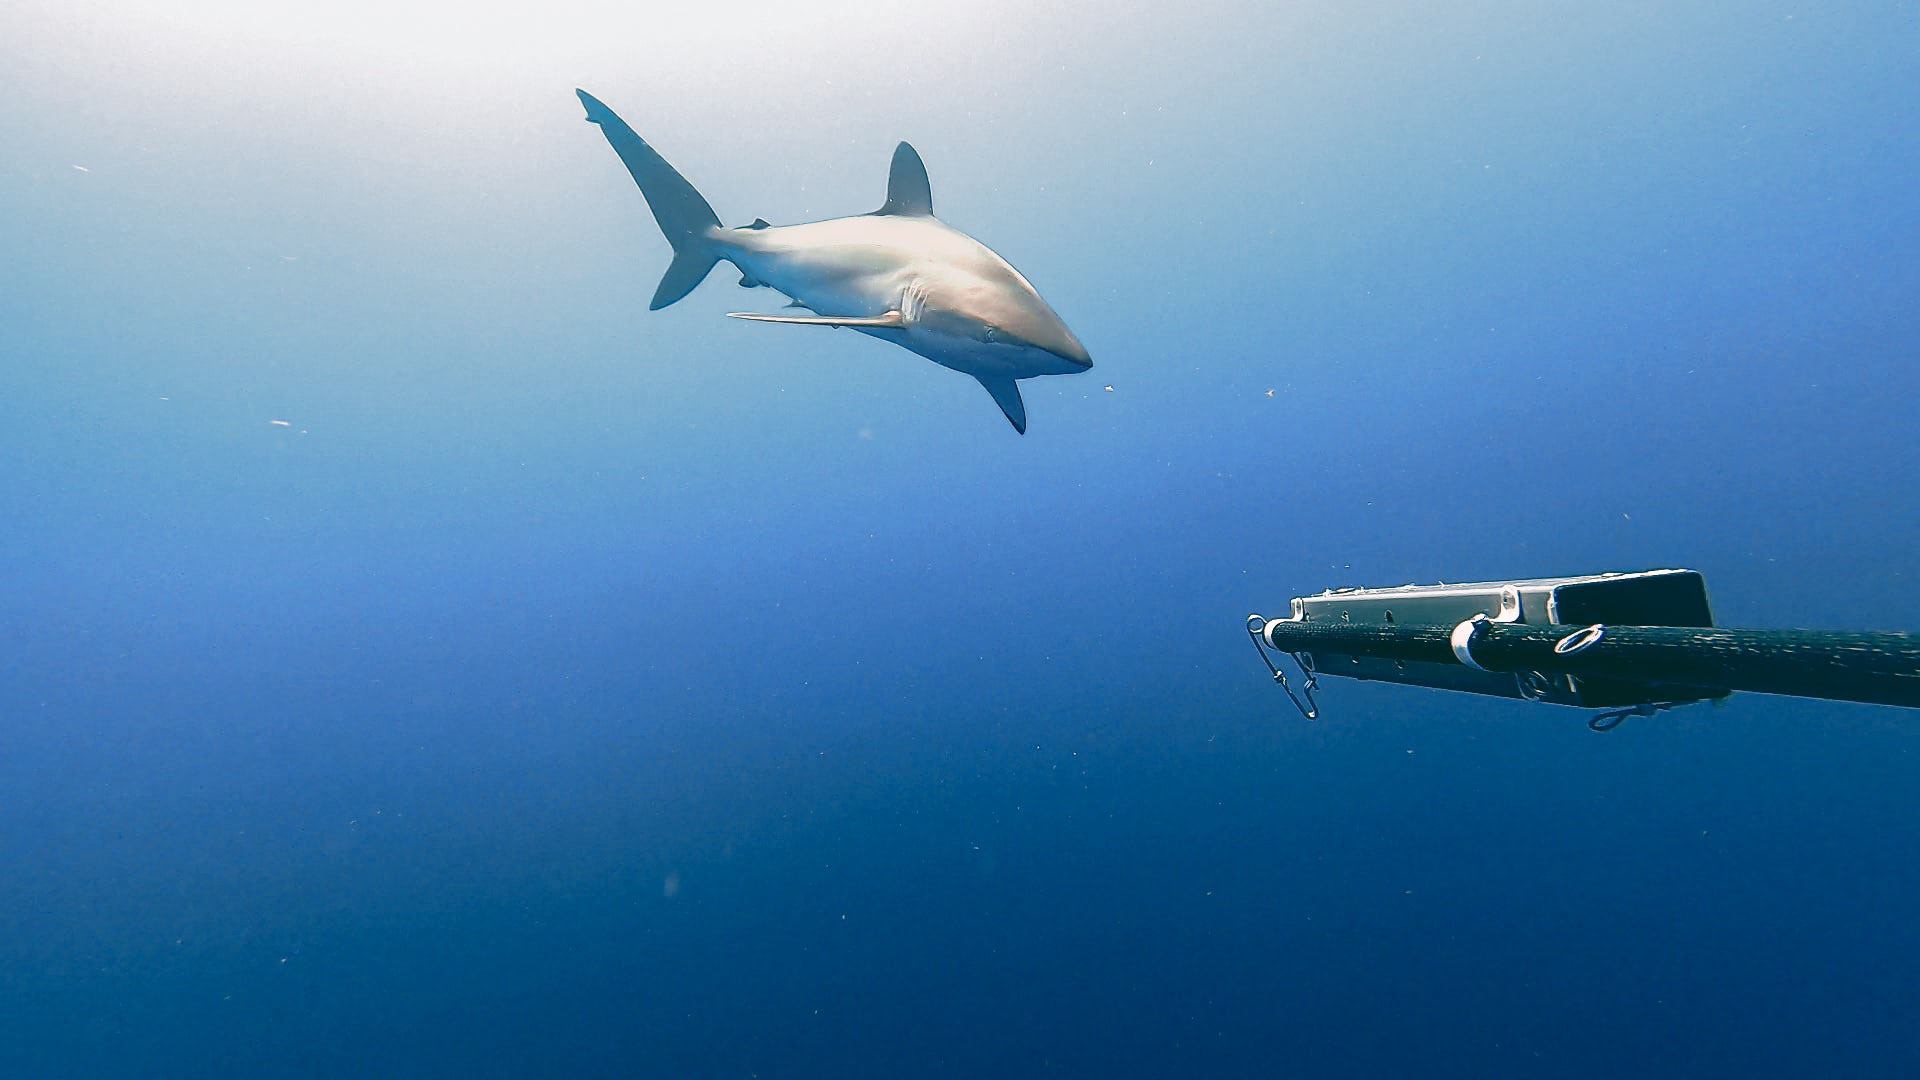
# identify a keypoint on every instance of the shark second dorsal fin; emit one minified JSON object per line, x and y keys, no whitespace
{"x":908,"y":192}
{"x":1006,"y":394}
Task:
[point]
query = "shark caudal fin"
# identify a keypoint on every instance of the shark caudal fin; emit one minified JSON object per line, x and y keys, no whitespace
{"x":684,"y":216}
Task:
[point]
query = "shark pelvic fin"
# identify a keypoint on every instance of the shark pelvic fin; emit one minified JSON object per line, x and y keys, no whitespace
{"x":909,"y":194}
{"x":1006,"y":394}
{"x":891,"y":318}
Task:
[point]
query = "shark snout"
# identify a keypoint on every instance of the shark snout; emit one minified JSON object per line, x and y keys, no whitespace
{"x":1050,"y":338}
{"x":1063,"y":347}
{"x":1049,"y":332}
{"x":1075,"y":354}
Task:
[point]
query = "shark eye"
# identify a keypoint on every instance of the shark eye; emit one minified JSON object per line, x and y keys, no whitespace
{"x":993,"y":333}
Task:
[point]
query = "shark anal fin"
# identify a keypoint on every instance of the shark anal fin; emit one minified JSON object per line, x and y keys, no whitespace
{"x":1006,"y":394}
{"x":891,"y":318}
{"x":908,"y":192}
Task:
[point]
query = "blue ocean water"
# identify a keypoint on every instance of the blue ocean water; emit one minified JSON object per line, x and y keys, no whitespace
{"x":421,"y":660}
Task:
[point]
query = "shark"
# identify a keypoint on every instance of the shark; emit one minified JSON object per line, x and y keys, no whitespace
{"x":899,"y":274}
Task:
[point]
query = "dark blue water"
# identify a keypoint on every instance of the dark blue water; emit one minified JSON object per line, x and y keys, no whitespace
{"x":567,"y":689}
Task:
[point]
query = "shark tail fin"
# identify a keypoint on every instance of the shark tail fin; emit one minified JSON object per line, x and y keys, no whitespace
{"x":689,"y":268}
{"x":686,"y":219}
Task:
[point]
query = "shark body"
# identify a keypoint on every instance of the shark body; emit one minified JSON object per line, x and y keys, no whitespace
{"x":899,"y":274}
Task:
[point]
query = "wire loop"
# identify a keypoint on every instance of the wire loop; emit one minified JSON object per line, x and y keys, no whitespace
{"x":1580,"y":640}
{"x":1311,"y":708}
{"x":1613,"y":718}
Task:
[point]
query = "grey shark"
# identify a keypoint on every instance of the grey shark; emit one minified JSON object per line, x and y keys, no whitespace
{"x":899,"y":274}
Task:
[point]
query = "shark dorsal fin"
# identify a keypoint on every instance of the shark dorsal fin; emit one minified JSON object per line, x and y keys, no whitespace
{"x":908,"y":192}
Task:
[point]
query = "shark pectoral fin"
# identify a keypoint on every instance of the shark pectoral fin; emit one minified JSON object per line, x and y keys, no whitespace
{"x":1006,"y":394}
{"x":891,"y":318}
